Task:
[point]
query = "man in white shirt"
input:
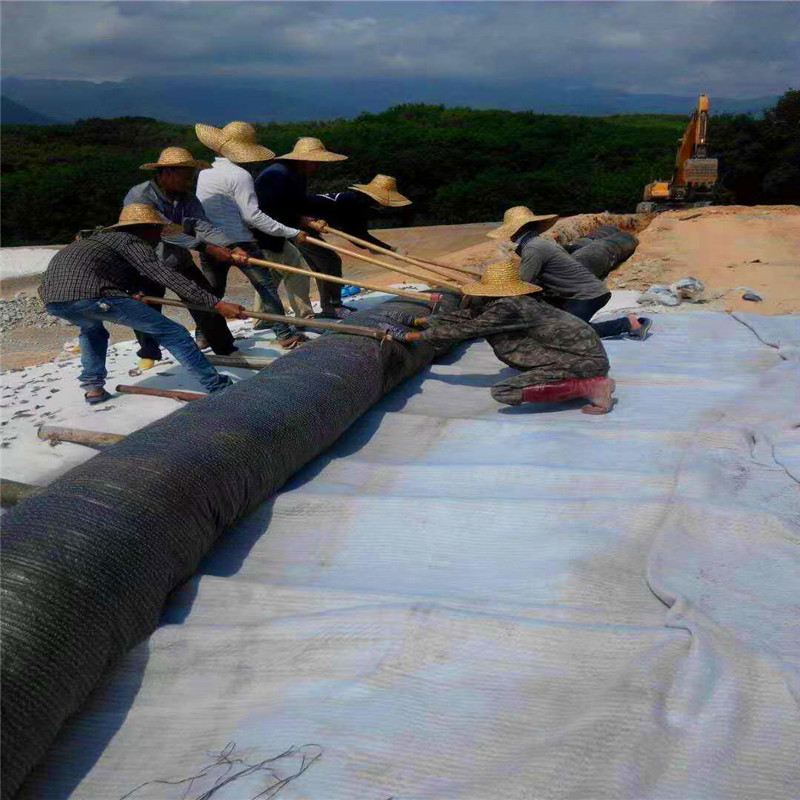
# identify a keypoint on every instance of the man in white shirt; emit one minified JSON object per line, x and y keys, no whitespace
{"x":229,"y":200}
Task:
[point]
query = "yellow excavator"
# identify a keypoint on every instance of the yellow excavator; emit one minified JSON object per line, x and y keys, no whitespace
{"x":695,"y":173}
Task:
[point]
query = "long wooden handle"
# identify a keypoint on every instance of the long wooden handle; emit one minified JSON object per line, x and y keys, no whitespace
{"x":172,"y":394}
{"x":339,"y":327}
{"x":425,"y":298}
{"x":391,"y":267}
{"x":400,"y":257}
{"x":55,"y":434}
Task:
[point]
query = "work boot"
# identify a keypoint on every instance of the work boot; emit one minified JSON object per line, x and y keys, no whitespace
{"x":597,"y":391}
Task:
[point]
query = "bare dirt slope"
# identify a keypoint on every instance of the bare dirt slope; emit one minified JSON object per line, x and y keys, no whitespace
{"x":724,"y":247}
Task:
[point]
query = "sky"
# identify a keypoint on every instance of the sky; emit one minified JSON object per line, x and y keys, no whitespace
{"x":728,"y":49}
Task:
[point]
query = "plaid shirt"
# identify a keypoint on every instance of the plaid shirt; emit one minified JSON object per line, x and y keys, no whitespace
{"x":113,"y":264}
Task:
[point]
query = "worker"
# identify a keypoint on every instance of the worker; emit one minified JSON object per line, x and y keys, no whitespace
{"x":562,"y":358}
{"x":350,"y":211}
{"x":229,"y":200}
{"x":282,"y":190}
{"x":567,"y":283}
{"x":95,"y":280}
{"x":171,"y":193}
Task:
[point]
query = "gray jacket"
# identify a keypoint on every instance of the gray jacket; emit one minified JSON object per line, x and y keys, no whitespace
{"x":186,"y":211}
{"x":548,"y":265}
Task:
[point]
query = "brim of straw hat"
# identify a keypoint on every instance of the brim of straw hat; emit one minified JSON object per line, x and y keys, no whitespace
{"x":510,"y":288}
{"x":211,"y":137}
{"x":314,"y":155}
{"x":245,"y":152}
{"x":388,"y":198}
{"x":191,"y":164}
{"x":508,"y":230}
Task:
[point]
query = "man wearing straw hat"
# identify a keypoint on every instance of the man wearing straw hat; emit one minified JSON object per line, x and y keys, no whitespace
{"x":567,"y":282}
{"x":282,"y":193}
{"x":350,"y":210}
{"x":171,"y":194}
{"x":95,"y":280}
{"x":562,"y":358}
{"x":229,"y":200}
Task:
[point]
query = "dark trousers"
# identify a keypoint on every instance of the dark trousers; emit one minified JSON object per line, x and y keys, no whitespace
{"x":212,"y":326}
{"x":259,"y":277}
{"x":328,"y":262}
{"x":586,"y":309}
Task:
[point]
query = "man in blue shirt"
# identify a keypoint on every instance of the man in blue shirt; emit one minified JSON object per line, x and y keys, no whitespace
{"x":282,"y":190}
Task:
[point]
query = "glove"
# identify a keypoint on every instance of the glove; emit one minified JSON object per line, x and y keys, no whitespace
{"x":404,"y":319}
{"x":396,"y":333}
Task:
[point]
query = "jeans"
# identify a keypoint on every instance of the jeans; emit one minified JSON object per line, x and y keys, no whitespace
{"x":261,"y":280}
{"x":586,"y":309}
{"x":212,"y":327}
{"x":89,"y":316}
{"x":297,"y":287}
{"x":329,"y":263}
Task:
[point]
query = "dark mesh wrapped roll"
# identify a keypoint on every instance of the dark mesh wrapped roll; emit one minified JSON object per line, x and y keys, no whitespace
{"x":88,"y":562}
{"x":602,"y":255}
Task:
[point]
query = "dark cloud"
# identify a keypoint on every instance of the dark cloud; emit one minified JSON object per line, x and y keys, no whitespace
{"x":726,"y":48}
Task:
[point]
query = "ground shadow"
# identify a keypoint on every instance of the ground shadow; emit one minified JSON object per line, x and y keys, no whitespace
{"x":85,"y":735}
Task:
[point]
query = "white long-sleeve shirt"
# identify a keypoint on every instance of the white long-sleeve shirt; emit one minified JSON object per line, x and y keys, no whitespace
{"x":229,"y":200}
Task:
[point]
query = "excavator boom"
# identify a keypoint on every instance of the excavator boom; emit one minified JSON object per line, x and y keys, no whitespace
{"x":695,"y":174}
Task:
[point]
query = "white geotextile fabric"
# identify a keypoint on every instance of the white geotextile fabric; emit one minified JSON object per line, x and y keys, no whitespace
{"x":461,"y":600}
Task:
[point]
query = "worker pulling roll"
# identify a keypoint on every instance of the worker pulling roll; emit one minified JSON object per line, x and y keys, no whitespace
{"x":562,"y":358}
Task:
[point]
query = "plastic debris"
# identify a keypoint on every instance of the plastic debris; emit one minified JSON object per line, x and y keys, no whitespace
{"x":661,"y":295}
{"x":688,"y":289}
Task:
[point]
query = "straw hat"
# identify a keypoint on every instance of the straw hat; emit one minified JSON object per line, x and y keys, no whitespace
{"x":138,"y":214}
{"x":308,"y":148}
{"x":236,"y":142}
{"x":176,"y":157}
{"x":518,"y":216}
{"x":383,"y":188}
{"x":500,"y":280}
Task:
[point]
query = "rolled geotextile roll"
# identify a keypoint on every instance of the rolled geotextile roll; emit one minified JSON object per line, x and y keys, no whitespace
{"x":88,"y":562}
{"x":602,"y":255}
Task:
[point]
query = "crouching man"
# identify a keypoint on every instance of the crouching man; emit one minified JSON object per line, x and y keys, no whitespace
{"x":95,"y":280}
{"x":560,"y":356}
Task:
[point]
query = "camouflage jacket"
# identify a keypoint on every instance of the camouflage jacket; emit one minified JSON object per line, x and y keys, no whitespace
{"x":519,"y":330}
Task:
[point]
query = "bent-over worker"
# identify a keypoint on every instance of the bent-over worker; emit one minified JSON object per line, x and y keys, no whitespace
{"x":171,"y":194}
{"x":560,"y":356}
{"x":350,"y":211}
{"x":229,"y":200}
{"x":94,"y":280}
{"x":566,"y":282}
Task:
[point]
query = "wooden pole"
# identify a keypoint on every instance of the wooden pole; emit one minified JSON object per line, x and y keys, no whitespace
{"x":55,"y":434}
{"x":12,"y":492}
{"x":338,"y":327}
{"x":454,"y":287}
{"x":243,"y":362}
{"x":172,"y":394}
{"x":433,"y":266}
{"x":425,"y":298}
{"x":409,"y":259}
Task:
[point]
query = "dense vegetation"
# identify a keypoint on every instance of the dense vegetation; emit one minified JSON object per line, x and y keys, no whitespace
{"x":459,"y":165}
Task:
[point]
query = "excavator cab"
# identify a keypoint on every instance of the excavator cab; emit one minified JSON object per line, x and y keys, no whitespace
{"x":695,"y":173}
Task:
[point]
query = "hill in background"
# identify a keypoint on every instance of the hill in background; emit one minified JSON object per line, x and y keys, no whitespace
{"x":219,"y":99}
{"x":458,"y":165}
{"x":12,"y":113}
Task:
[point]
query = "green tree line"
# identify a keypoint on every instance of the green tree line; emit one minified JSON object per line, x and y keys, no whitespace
{"x":457,"y":164}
